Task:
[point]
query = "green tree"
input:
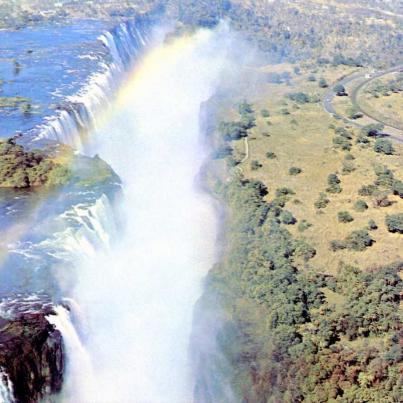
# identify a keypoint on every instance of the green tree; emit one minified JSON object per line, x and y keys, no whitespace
{"x":344,"y":216}
{"x":360,"y":206}
{"x":394,"y":223}
{"x":383,"y":146}
{"x":323,"y":83}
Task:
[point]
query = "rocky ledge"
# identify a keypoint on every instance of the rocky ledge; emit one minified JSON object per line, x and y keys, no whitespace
{"x":31,"y":351}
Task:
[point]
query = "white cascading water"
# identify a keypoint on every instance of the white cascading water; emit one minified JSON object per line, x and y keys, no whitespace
{"x":139,"y":296}
{"x":81,"y":364}
{"x":6,"y":388}
{"x":70,"y":126}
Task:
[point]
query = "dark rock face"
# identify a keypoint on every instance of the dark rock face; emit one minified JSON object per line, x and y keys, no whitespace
{"x":31,"y":350}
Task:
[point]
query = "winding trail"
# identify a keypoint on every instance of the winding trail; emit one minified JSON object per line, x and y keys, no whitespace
{"x":393,"y":131}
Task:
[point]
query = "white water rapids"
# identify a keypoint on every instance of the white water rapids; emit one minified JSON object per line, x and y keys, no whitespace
{"x":138,"y":297}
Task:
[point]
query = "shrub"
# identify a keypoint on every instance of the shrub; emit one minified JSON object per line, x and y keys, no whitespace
{"x":265,"y":113}
{"x":270,"y":155}
{"x":299,"y":97}
{"x":311,"y":78}
{"x":348,"y":167}
{"x":343,"y":132}
{"x":342,"y":142}
{"x":397,"y":188}
{"x":360,"y":206}
{"x":372,"y":225}
{"x":354,"y":113}
{"x":383,"y":146}
{"x":372,"y":130}
{"x":285,"y":111}
{"x":287,"y":218}
{"x":284,"y":191}
{"x":334,"y":184}
{"x":304,"y":225}
{"x":349,"y":157}
{"x":340,"y":90}
{"x":344,"y":216}
{"x":255,"y":165}
{"x":245,"y":108}
{"x":359,"y":240}
{"x":367,"y":190}
{"x":384,"y":175}
{"x":232,"y":130}
{"x":362,"y":139}
{"x":294,"y":171}
{"x":322,"y":201}
{"x":336,"y":245}
{"x":394,"y":223}
{"x":323,"y":83}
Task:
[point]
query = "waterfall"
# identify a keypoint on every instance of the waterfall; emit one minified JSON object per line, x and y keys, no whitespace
{"x":139,"y":296}
{"x":79,"y":372}
{"x":6,"y":388}
{"x":79,"y":115}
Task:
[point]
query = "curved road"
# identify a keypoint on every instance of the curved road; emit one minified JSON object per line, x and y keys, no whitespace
{"x":329,"y":96}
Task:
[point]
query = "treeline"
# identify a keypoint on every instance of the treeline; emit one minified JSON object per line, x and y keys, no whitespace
{"x":347,"y":39}
{"x":290,"y":334}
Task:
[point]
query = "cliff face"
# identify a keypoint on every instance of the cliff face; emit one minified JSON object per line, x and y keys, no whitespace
{"x":31,"y":352}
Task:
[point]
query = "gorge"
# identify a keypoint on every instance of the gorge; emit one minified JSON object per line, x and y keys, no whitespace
{"x":118,"y":259}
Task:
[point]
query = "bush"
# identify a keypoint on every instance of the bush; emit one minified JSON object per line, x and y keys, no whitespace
{"x":367,"y":190}
{"x":372,"y":130}
{"x":360,"y":206}
{"x":348,"y":167}
{"x":245,"y":108}
{"x":270,"y":155}
{"x":344,"y":217}
{"x":285,"y":111}
{"x":394,"y":223}
{"x":294,"y":171}
{"x":323,"y":83}
{"x":311,"y":78}
{"x":384,"y":176}
{"x":322,"y":201}
{"x":372,"y":225}
{"x":383,"y":146}
{"x":255,"y":165}
{"x":354,"y":113}
{"x":304,"y":225}
{"x":340,"y":90}
{"x":397,"y":188}
{"x":265,"y":113}
{"x":336,"y":245}
{"x":362,"y":139}
{"x":299,"y":97}
{"x":342,"y":142}
{"x":343,"y":132}
{"x":284,"y":191}
{"x":359,"y":240}
{"x":334,"y":184}
{"x":232,"y":130}
{"x":287,"y":218}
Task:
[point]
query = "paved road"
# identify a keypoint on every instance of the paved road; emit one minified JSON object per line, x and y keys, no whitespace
{"x":330,"y":95}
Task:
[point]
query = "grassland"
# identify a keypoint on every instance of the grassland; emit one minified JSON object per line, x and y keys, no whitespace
{"x":382,"y":103}
{"x":304,"y":139}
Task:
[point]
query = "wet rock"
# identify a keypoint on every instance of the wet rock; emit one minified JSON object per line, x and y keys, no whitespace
{"x":31,"y":349}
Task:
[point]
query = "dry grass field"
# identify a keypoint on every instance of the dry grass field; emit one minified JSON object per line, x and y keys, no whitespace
{"x":304,"y":139}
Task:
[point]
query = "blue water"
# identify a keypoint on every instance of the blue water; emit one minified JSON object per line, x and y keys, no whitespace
{"x":55,"y":62}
